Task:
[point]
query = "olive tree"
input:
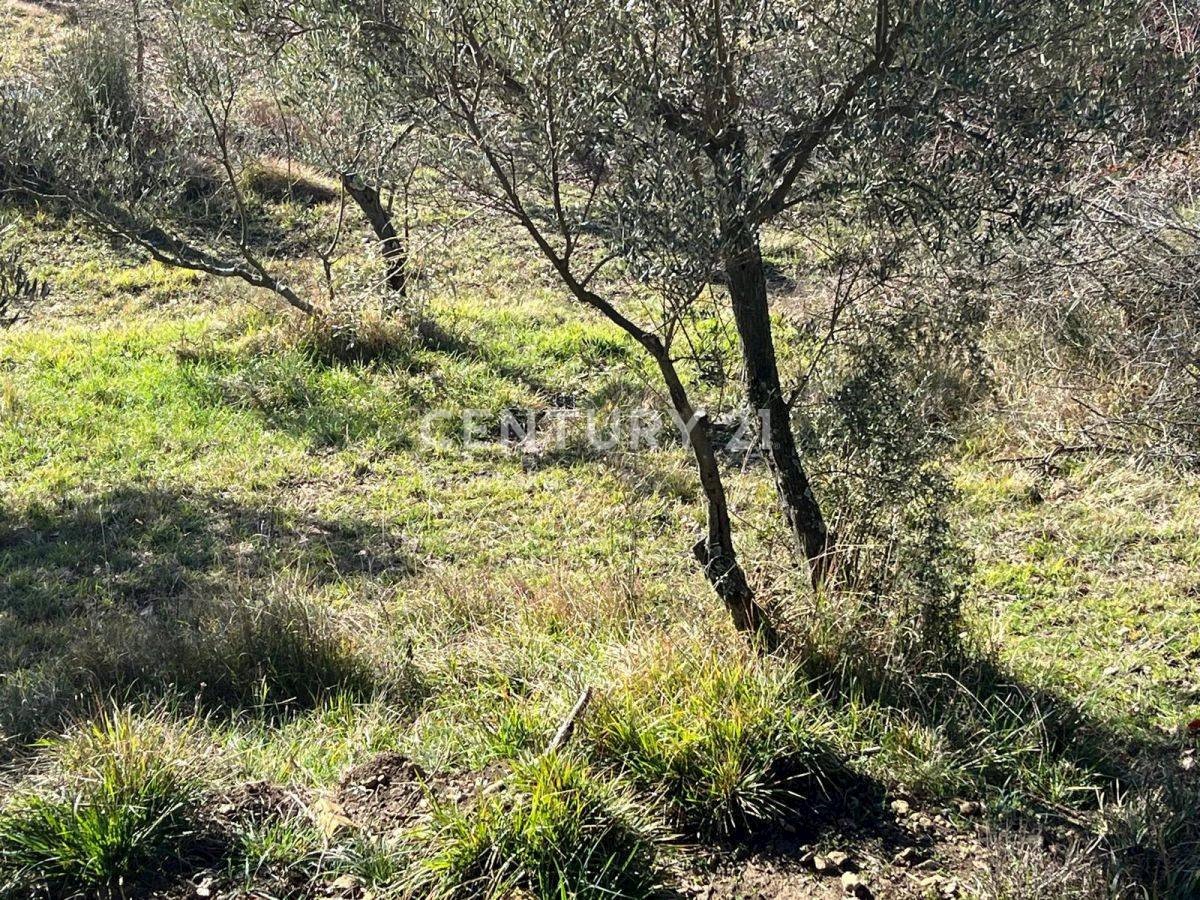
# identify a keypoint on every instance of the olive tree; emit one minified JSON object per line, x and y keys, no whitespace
{"x":659,"y":141}
{"x":161,"y":155}
{"x":161,"y":169}
{"x":337,"y":118}
{"x":646,"y":149}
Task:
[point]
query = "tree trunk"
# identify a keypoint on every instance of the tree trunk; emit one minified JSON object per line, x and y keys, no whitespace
{"x":748,"y":294}
{"x":715,"y":551}
{"x":395,"y":254}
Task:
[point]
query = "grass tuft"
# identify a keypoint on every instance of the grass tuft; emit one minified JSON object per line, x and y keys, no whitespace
{"x":357,"y":337}
{"x":725,"y":742}
{"x":122,"y":808}
{"x":556,"y":830}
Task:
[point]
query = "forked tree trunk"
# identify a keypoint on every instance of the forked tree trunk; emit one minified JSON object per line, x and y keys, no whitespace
{"x":395,"y":253}
{"x":748,"y":295}
{"x":715,"y":551}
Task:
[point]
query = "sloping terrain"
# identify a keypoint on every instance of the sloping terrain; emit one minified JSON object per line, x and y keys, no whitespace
{"x":260,"y":637}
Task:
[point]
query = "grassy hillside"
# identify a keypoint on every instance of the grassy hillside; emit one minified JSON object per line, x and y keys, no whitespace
{"x":258,"y":638}
{"x":237,"y":557}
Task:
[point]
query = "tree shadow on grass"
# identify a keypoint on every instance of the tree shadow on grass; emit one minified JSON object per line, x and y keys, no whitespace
{"x":333,"y":388}
{"x":145,"y":592}
{"x":1126,"y":793}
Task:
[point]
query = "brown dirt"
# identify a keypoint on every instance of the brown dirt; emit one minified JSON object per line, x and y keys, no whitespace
{"x":390,"y":791}
{"x":257,"y":802}
{"x":907,"y":853}
{"x":387,"y":791}
{"x":931,"y":854}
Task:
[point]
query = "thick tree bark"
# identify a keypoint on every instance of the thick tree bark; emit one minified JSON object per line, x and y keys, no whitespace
{"x":395,"y":253}
{"x":748,"y":294}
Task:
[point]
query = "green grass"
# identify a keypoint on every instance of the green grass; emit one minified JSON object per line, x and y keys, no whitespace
{"x":123,"y":807}
{"x":713,"y":736}
{"x":556,"y":830}
{"x":222,"y":523}
{"x":1091,"y":584}
{"x":27,"y":30}
{"x":202,"y":500}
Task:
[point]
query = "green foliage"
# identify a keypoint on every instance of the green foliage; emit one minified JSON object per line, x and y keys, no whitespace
{"x":123,"y":811}
{"x":94,"y":83}
{"x":723,"y":742}
{"x":556,"y":830}
{"x":881,"y":414}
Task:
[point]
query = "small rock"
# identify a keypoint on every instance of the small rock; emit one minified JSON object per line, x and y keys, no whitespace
{"x":346,"y":884}
{"x":204,"y":888}
{"x":969,"y":808}
{"x":840,"y":861}
{"x":821,"y":865}
{"x":909,"y":856}
{"x":852,"y":885}
{"x":900,"y":807}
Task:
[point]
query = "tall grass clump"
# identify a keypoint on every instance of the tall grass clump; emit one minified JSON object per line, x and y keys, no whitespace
{"x":555,"y":830}
{"x":287,"y":648}
{"x":1152,"y":833}
{"x":359,"y":334}
{"x":280,"y":650}
{"x":724,"y":743}
{"x":118,"y":808}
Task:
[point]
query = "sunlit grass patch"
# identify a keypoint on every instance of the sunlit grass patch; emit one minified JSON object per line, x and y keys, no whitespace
{"x":288,"y":180}
{"x":1086,"y":580}
{"x":27,"y":31}
{"x":556,"y":829}
{"x":119,"y":808}
{"x":314,"y":748}
{"x":106,"y":405}
{"x":726,"y":743}
{"x":153,"y":278}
